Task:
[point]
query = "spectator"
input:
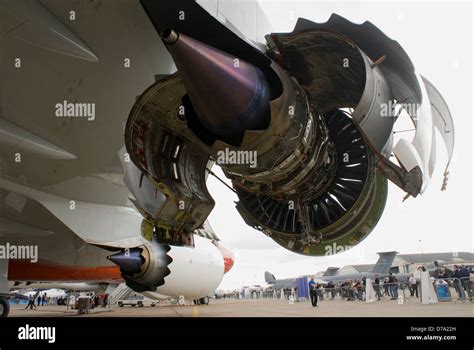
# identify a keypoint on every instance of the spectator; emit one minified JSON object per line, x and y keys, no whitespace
{"x":457,"y":282}
{"x":413,"y":286}
{"x":385,"y":286}
{"x":377,"y":287}
{"x":320,"y":291}
{"x":392,"y":280}
{"x":313,"y":292}
{"x":102,"y":299}
{"x":332,"y":291}
{"x":350,"y":290}
{"x":465,"y":277}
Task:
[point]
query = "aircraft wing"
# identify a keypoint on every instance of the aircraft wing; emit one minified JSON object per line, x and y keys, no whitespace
{"x":61,"y":54}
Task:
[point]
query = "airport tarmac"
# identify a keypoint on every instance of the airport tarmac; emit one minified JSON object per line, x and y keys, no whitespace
{"x":266,"y":308}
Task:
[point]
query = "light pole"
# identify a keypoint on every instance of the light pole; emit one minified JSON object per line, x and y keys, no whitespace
{"x":422,"y":253}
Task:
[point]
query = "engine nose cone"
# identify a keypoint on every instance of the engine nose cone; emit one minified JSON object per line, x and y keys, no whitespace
{"x":129,"y":260}
{"x":228,"y":256}
{"x":229,"y":95}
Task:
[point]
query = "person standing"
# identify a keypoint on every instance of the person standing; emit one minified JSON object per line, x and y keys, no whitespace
{"x":413,"y":285}
{"x":31,"y":302}
{"x":392,"y":280}
{"x":313,"y":292}
{"x":385,"y":286}
{"x":101,"y":298}
{"x":457,"y":282}
{"x":465,"y":275}
{"x":377,"y":287}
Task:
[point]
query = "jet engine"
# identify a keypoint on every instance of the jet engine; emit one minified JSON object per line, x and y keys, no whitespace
{"x":168,"y":269}
{"x":303,"y":129}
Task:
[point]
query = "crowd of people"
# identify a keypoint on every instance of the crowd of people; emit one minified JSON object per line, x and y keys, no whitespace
{"x":41,"y":299}
{"x":389,"y":286}
{"x":354,"y":289}
{"x":459,"y":279}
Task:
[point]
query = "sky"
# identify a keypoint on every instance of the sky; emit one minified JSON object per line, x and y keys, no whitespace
{"x":438,"y":38}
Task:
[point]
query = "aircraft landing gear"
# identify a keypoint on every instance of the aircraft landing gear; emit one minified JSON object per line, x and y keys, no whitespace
{"x":4,"y":307}
{"x":202,"y":301}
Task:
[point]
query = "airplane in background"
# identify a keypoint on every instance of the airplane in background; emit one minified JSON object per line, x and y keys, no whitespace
{"x":380,"y":270}
{"x":55,"y":290}
{"x":331,"y":271}
{"x":288,"y":283}
{"x":50,"y":293}
{"x":66,"y":286}
{"x":284,"y":283}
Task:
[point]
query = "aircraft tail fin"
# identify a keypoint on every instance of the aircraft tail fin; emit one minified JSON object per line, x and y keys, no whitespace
{"x":383,"y":265}
{"x":269,"y":278}
{"x":331,"y":271}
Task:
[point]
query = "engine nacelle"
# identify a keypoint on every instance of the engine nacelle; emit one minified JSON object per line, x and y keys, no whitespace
{"x":191,"y":271}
